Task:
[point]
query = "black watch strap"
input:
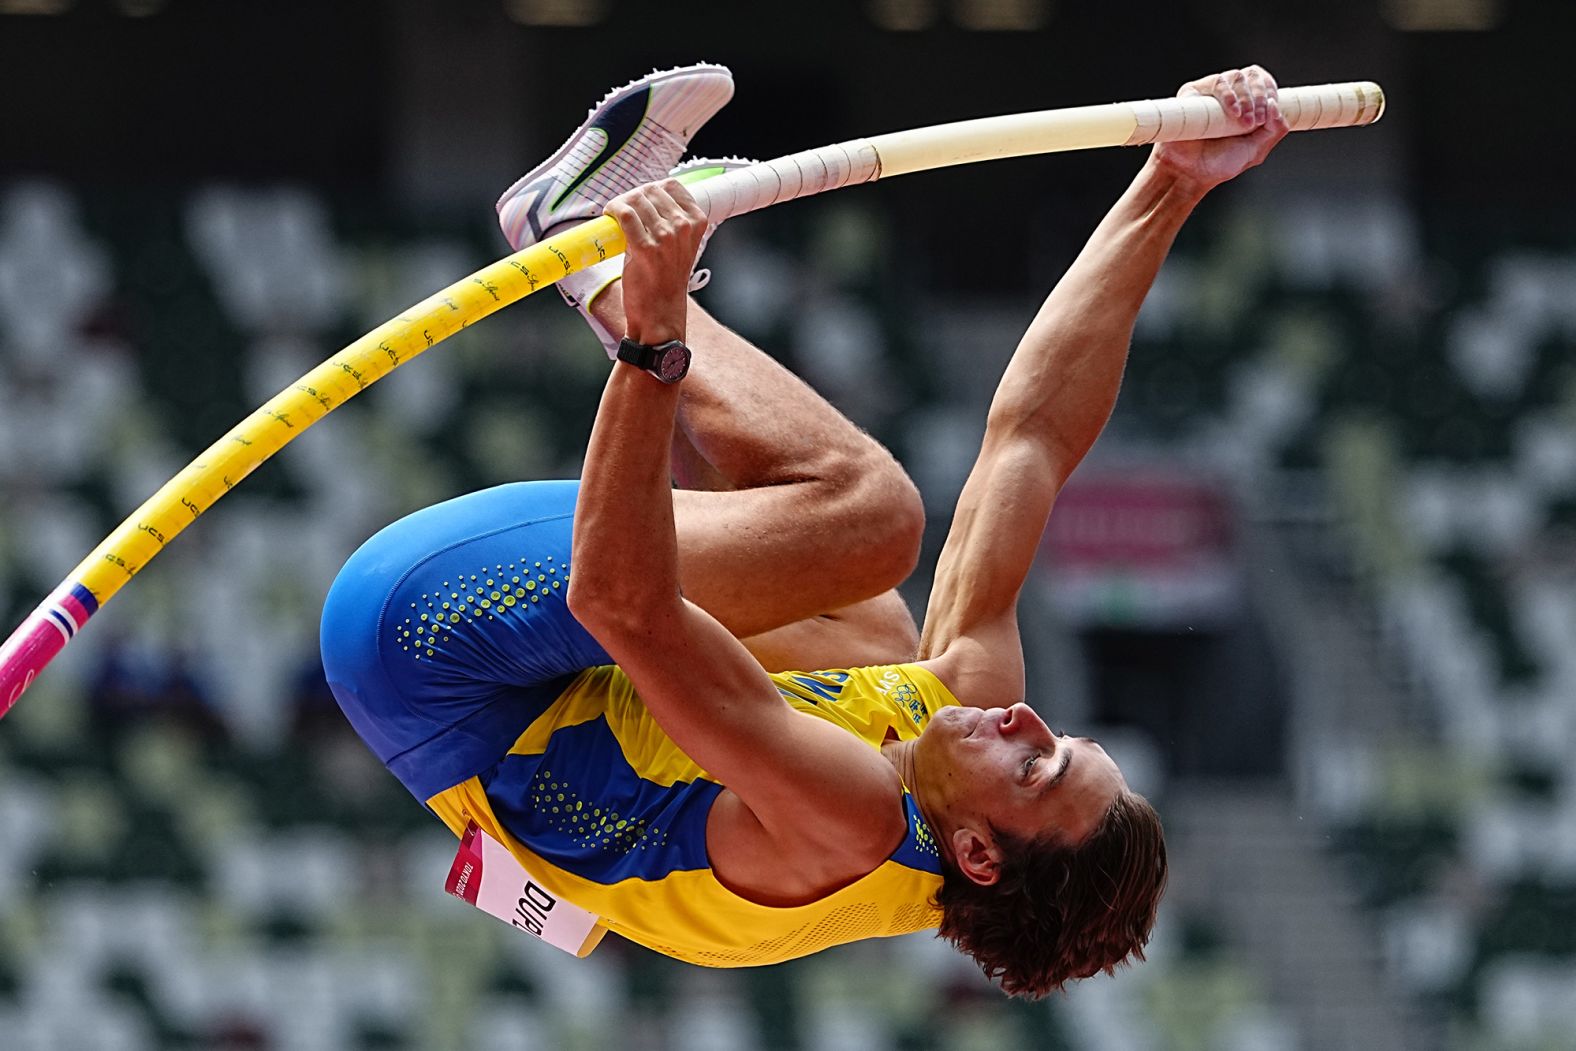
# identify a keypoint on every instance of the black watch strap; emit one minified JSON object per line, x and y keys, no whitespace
{"x":652,"y":358}
{"x":640,"y":355}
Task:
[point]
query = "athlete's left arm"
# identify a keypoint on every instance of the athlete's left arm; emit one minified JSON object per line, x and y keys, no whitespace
{"x":806,"y":781}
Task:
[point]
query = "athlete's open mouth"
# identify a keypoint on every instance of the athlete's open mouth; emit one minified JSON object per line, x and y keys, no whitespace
{"x":979,"y":717}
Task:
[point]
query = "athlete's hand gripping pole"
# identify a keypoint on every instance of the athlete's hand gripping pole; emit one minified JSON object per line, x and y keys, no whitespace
{"x":191,"y":492}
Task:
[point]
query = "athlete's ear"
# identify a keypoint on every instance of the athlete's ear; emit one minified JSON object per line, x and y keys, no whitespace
{"x":977,"y":855}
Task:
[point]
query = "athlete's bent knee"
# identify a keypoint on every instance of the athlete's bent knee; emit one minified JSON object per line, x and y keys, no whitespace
{"x":891,"y":522}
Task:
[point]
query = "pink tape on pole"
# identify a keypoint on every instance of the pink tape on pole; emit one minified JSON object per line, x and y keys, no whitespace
{"x":25,"y":653}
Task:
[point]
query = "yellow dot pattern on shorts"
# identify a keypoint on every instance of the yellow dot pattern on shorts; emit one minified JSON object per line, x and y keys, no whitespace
{"x":587,"y":825}
{"x":492,"y":592}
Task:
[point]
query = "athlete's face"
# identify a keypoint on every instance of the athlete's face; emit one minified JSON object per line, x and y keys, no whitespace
{"x":1005,"y":768}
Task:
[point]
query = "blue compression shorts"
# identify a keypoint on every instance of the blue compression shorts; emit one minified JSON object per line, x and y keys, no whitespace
{"x":448,"y":632}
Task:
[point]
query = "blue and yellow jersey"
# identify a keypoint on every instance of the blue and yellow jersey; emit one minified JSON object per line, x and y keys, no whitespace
{"x":602,"y":808}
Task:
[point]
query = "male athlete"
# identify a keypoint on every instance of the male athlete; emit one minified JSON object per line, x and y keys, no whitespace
{"x":627,"y":731}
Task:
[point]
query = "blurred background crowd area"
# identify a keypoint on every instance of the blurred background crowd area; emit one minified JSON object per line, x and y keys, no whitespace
{"x":1313,"y":589}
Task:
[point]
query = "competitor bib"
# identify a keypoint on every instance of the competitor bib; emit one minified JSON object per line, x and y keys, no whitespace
{"x":487,"y":876}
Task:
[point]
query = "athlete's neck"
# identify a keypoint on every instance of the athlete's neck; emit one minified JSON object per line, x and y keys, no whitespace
{"x":901,"y":755}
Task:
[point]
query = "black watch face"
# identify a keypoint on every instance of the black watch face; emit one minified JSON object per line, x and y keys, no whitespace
{"x":672,"y":364}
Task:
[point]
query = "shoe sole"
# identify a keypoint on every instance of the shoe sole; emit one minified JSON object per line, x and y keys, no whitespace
{"x":698,"y":169}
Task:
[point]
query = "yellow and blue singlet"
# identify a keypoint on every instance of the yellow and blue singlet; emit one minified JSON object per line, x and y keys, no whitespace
{"x":602,"y":808}
{"x":448,"y":643}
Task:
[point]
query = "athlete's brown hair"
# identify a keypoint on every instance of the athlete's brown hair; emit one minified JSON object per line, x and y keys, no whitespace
{"x":1061,"y":911}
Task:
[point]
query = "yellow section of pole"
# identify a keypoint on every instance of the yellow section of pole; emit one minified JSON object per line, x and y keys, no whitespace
{"x":290,"y":412}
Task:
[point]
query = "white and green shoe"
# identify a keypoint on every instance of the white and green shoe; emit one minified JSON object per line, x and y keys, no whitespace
{"x":633,"y":136}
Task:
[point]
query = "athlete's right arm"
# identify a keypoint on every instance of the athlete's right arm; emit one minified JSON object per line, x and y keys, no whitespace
{"x":1058,"y":392}
{"x":810,"y":785}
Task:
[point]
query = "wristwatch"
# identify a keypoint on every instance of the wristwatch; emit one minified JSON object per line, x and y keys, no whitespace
{"x":669,"y":361}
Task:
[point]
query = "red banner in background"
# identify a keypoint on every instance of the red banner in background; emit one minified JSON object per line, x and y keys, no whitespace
{"x":1139,"y":521}
{"x":1144,"y":549}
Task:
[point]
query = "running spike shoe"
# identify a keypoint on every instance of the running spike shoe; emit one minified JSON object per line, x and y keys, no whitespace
{"x":635,"y":135}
